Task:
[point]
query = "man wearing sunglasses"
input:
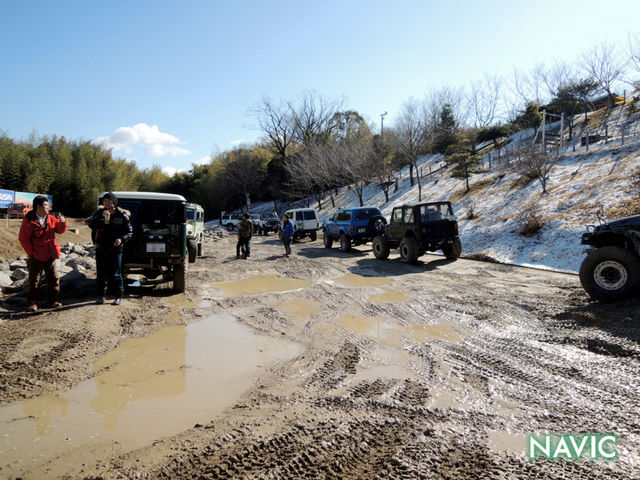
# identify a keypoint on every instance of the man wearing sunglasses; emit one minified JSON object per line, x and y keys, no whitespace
{"x":38,"y":238}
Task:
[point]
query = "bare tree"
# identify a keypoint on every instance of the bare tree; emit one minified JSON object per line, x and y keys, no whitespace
{"x":277,"y":123}
{"x":633,"y":43}
{"x":355,"y":158}
{"x":556,"y":77}
{"x":533,"y":163}
{"x":603,"y":63}
{"x":314,"y":118}
{"x":484,"y":99}
{"x":409,"y":136}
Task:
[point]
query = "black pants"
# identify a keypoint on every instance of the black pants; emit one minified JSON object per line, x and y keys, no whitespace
{"x":109,"y":271}
{"x":243,"y":244}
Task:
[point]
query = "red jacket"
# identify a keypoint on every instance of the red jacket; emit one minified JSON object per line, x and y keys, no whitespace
{"x":40,"y":242}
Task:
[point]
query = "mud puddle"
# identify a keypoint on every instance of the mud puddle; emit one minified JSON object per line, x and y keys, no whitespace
{"x":146,"y":388}
{"x":256,"y":285}
{"x":392,"y":334}
{"x":355,"y":280}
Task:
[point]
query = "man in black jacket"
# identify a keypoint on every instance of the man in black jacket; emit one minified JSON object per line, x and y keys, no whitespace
{"x":111,"y":229}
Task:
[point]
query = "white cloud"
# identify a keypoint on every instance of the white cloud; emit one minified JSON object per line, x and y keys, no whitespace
{"x":202,"y":161}
{"x":155,"y":142}
{"x":172,"y":171}
{"x":237,"y":142}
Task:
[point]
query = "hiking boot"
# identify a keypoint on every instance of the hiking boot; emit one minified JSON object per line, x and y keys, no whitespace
{"x":55,"y":305}
{"x":33,"y":308}
{"x":100,"y":301}
{"x":117,"y":301}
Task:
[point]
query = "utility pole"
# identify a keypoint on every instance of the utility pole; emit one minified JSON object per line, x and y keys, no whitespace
{"x":382,"y":115}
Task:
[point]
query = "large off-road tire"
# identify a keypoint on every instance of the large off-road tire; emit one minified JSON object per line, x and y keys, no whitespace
{"x":380,"y":248}
{"x":453,"y":250}
{"x":313,"y":236}
{"x":200,"y":248}
{"x":609,"y":274}
{"x":409,"y":250}
{"x":192,"y":249}
{"x":376,"y":224}
{"x":230,"y":227}
{"x":180,"y":277}
{"x":345,"y":243}
{"x":326,"y":239}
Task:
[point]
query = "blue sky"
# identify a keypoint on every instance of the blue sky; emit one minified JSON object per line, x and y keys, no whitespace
{"x":167,"y":83}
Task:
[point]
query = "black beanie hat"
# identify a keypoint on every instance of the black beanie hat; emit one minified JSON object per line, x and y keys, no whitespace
{"x":111,"y":196}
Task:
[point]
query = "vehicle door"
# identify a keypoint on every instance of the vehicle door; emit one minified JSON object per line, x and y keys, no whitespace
{"x":299,"y":221}
{"x":395,"y":225}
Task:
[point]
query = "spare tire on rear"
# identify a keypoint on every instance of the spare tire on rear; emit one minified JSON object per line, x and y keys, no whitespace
{"x":376,"y":224}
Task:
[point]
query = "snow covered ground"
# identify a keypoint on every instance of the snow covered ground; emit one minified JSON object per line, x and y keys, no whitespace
{"x":578,"y":184}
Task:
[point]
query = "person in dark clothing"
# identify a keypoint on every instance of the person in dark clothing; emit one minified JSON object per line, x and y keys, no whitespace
{"x":111,"y":230}
{"x":245,"y":231}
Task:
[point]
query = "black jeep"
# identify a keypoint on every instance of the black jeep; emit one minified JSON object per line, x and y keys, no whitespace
{"x":416,"y":229}
{"x":159,"y":243}
{"x":612,"y":269}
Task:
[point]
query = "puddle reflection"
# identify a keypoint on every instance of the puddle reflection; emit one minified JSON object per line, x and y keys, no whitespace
{"x":354,"y":280}
{"x":258,"y":284}
{"x":146,"y":388}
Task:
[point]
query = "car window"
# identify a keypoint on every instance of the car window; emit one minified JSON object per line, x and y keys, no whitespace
{"x":344,"y":217}
{"x":299,"y":216}
{"x":367,"y":213}
{"x":408,"y":215}
{"x":397,"y":215}
{"x":309,"y":214}
{"x":191,"y":215}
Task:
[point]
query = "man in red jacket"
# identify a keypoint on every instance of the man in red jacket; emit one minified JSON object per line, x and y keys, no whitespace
{"x":38,"y":238}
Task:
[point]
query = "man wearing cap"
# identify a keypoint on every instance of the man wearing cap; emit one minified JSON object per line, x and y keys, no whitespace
{"x":38,"y":238}
{"x":111,"y":229}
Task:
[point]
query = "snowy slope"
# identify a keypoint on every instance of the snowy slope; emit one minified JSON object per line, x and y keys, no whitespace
{"x":577,"y":185}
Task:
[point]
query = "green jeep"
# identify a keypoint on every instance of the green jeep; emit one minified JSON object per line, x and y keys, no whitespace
{"x":195,"y":231}
{"x":159,"y":243}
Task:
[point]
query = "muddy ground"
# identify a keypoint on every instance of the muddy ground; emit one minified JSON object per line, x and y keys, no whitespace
{"x":438,"y":370}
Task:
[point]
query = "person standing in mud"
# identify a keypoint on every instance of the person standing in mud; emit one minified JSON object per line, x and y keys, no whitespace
{"x":38,"y":238}
{"x":111,"y":229}
{"x":245,"y":231}
{"x":287,"y":234}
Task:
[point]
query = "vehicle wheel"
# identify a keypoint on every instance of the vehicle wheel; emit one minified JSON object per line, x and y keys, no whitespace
{"x":326,"y":239}
{"x":230,"y":227}
{"x":345,"y":243}
{"x":409,"y":250}
{"x":313,"y":235}
{"x":192,"y":249}
{"x":200,"y":249}
{"x":376,"y":224}
{"x":180,"y":277}
{"x":380,"y":248}
{"x":609,"y":274}
{"x":453,"y":250}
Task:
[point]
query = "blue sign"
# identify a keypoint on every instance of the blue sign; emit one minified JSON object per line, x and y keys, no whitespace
{"x":6,"y":197}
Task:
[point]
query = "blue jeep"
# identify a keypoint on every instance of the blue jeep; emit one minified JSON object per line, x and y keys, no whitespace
{"x":353,"y":226}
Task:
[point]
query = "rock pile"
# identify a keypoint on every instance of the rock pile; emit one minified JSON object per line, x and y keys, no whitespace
{"x":76,"y":268}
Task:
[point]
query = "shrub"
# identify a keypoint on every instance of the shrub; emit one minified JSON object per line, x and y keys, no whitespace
{"x":530,"y":221}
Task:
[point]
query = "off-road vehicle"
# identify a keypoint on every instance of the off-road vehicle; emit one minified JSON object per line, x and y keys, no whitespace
{"x":159,"y":242}
{"x":353,"y":226}
{"x":195,"y":231}
{"x":417,"y":229}
{"x":611,"y":270}
{"x":269,"y":222}
{"x":230,"y":220}
{"x":305,"y":222}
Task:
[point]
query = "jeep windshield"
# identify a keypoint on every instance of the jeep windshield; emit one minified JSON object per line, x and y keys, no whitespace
{"x":156,"y":212}
{"x":436,"y":211}
{"x":367,"y":213}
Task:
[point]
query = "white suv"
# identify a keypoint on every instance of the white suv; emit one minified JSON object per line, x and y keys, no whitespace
{"x":230,"y":220}
{"x":305,"y":222}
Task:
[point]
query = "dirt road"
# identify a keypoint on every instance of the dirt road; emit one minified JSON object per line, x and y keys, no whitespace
{"x":321,"y":365}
